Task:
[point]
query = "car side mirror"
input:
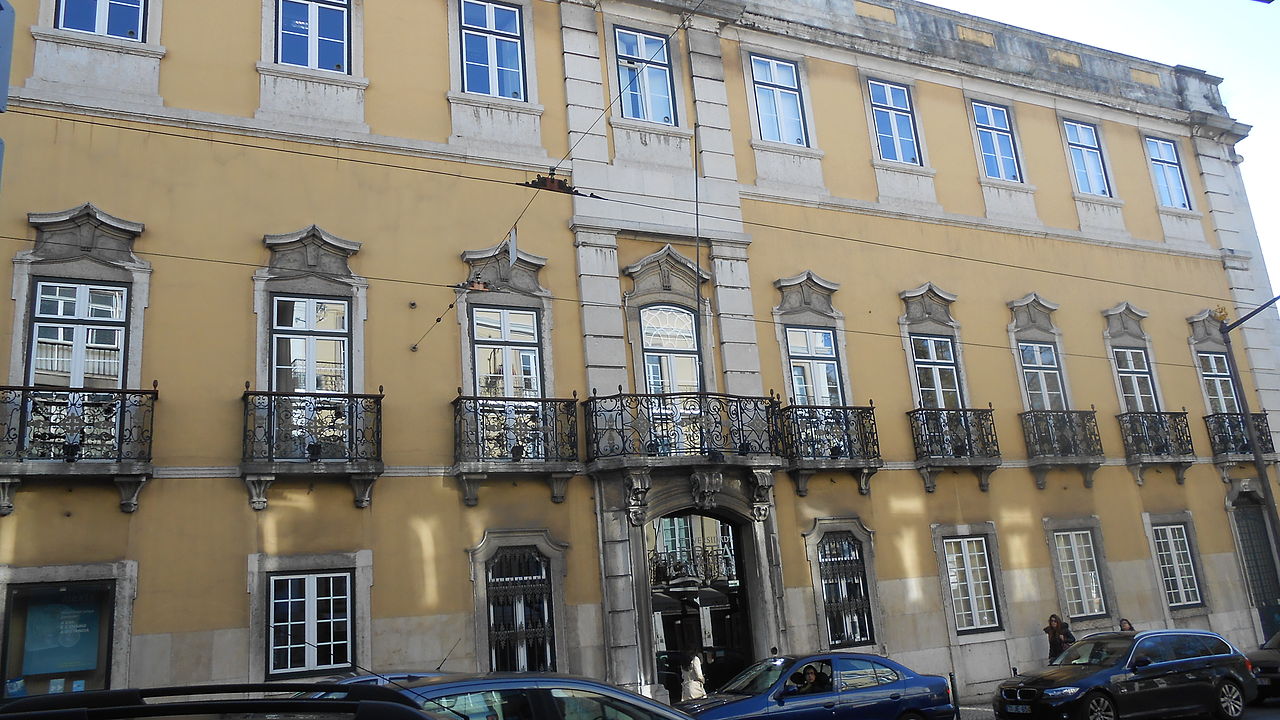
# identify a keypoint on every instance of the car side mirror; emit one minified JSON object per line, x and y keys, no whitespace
{"x":1141,"y":662}
{"x":788,"y":692}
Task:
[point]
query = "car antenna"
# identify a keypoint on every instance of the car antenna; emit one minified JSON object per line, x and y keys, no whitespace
{"x":446,"y":655}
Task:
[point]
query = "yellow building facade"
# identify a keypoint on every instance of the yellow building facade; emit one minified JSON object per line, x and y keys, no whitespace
{"x":564,"y":335}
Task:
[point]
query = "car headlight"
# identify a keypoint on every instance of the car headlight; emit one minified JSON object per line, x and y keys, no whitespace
{"x":1062,"y":692}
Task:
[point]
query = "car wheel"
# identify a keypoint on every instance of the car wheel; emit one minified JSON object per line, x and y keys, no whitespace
{"x":1230,"y":701}
{"x":1097,"y":707}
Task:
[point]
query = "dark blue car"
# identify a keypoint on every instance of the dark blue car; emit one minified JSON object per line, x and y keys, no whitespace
{"x":828,"y":686}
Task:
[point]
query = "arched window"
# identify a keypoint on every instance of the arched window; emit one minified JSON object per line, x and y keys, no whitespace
{"x":671,"y":356}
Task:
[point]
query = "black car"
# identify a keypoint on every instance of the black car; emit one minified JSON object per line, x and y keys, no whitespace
{"x":1157,"y":673}
{"x":1266,"y":667}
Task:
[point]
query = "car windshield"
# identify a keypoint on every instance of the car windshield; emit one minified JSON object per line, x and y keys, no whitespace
{"x":757,"y":678}
{"x":1095,"y":652}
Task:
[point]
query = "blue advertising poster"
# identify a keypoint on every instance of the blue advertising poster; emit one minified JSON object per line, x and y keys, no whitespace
{"x":62,"y":637}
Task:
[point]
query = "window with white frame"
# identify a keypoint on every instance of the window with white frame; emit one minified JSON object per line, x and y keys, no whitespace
{"x":521,"y":626}
{"x":78,"y":335}
{"x":894,"y":121}
{"x":670,"y":341}
{"x":1217,"y":382}
{"x":675,"y":533}
{"x":973,"y":598}
{"x":644,"y":76}
{"x":506,"y":353}
{"x":937,"y":372}
{"x":845,"y":596}
{"x":114,"y":18}
{"x":492,"y":49}
{"x":995,"y":140}
{"x":310,"y":623}
{"x":1177,"y":572}
{"x":309,"y":342}
{"x":1042,"y":376}
{"x":1086,"y":158}
{"x":1081,"y":580}
{"x":1166,"y":171}
{"x":815,"y":373}
{"x":778,"y":104}
{"x":314,"y":34}
{"x":1137,"y":386}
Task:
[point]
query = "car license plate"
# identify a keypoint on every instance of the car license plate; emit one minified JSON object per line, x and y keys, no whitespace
{"x":1264,"y":681}
{"x":1018,"y":709}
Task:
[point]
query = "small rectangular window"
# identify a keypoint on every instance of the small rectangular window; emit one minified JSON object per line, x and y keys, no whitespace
{"x":995,"y":139}
{"x":114,"y":18}
{"x":778,"y":104}
{"x":895,"y":122}
{"x":1137,"y":386}
{"x":1166,"y":171}
{"x":1042,"y":376}
{"x":1081,"y":580}
{"x":310,"y":623}
{"x":644,"y":76}
{"x":313,"y":34}
{"x":1086,"y":158}
{"x":973,"y":597}
{"x":57,"y":638}
{"x":492,"y":49}
{"x":937,"y":372}
{"x":1217,"y":383}
{"x":1178,"y":573}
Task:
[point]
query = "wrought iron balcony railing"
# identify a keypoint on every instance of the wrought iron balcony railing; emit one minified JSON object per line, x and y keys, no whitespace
{"x":1061,"y":433}
{"x":76,"y":424}
{"x":963,"y":434}
{"x":1228,"y":435}
{"x":681,"y":424}
{"x":314,"y":427}
{"x":701,"y":564}
{"x":1155,"y":434}
{"x":495,"y":429}
{"x":819,"y":432}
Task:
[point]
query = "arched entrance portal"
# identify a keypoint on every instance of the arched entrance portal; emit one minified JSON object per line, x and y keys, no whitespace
{"x":698,"y":598}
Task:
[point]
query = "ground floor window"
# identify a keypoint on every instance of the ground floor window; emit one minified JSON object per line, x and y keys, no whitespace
{"x":844,"y":590}
{"x":521,"y":625}
{"x":1173,"y":554}
{"x":57,"y":637}
{"x":310,"y":622}
{"x":973,"y":594}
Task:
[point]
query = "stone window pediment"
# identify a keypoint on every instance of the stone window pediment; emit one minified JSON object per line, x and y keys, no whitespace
{"x":1206,"y":332}
{"x":1033,"y":319}
{"x":807,"y":297}
{"x":928,"y":309}
{"x":1124,"y":322}
{"x":666,"y":271}
{"x":497,"y":270}
{"x":84,"y":232}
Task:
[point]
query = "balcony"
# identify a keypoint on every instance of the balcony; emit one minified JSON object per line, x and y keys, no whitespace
{"x":84,"y":432}
{"x":515,"y":436}
{"x":1157,"y":438}
{"x":1062,"y":438}
{"x":698,"y":427}
{"x":961,"y":438}
{"x":819,"y":437}
{"x":701,"y":565}
{"x":311,"y":434}
{"x":1230,"y":439}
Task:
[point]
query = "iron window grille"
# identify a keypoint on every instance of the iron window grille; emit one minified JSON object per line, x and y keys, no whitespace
{"x":125,"y":19}
{"x":492,"y":49}
{"x":1086,"y":158}
{"x":521,"y":626}
{"x":845,"y":597}
{"x":311,"y":626}
{"x":644,"y":74}
{"x":995,"y":140}
{"x":895,"y":123}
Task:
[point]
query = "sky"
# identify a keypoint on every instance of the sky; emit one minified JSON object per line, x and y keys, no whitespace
{"x":1237,"y":40}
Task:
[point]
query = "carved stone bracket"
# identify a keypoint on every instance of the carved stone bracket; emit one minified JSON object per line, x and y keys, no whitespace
{"x":469,"y":483}
{"x":1138,"y":469}
{"x":258,"y":485}
{"x":761,"y":493}
{"x":930,"y":477}
{"x":1087,"y":472}
{"x":130,"y":486}
{"x":559,"y":483}
{"x":864,"y":479}
{"x":7,"y":487}
{"x":929,"y":473}
{"x":705,"y":486}
{"x":638,"y":484}
{"x":1041,"y":473}
{"x":362,"y":486}
{"x":801,"y":477}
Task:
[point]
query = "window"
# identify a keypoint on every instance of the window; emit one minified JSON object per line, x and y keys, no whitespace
{"x":995,"y":139}
{"x":894,"y":122}
{"x":513,"y":704}
{"x":845,"y":599}
{"x":1086,"y":158}
{"x":856,"y":674}
{"x":309,"y":345}
{"x":521,"y":632}
{"x":973,"y":597}
{"x":1217,"y":382}
{"x":675,"y":533}
{"x":815,"y":374}
{"x":78,"y":336}
{"x":1173,"y":554}
{"x":1167,"y":173}
{"x":114,"y":18}
{"x":671,"y":361}
{"x":644,"y":76}
{"x":57,"y":637}
{"x":311,"y":623}
{"x":506,"y":353}
{"x":1042,"y":376}
{"x":1136,"y":383}
{"x":937,"y":372}
{"x":313,"y":34}
{"x":1081,"y":580}
{"x":577,"y":704}
{"x":777,"y":88}
{"x":492,"y":50}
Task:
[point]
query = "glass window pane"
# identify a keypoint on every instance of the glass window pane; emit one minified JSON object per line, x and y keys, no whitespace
{"x":106,"y":304}
{"x":291,"y":314}
{"x":823,"y":343}
{"x":523,"y":326}
{"x":487,"y":325}
{"x":628,"y":43}
{"x":124,"y":20}
{"x":331,"y":365}
{"x":797,"y":341}
{"x":506,"y":20}
{"x":475,"y":14}
{"x":491,"y":372}
{"x":80,"y":15}
{"x":330,"y":315}
{"x":761,"y":70}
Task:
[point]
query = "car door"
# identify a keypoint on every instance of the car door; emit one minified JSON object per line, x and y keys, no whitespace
{"x":1154,"y":685}
{"x":867,"y":690}
{"x":790,"y":703}
{"x":1198,"y":671}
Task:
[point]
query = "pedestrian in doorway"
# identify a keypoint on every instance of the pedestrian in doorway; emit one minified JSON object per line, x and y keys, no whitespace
{"x":1059,"y":634}
{"x":1125,"y":625}
{"x":693,"y":685}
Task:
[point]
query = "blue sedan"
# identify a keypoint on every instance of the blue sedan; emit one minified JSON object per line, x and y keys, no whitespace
{"x":829,"y":686}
